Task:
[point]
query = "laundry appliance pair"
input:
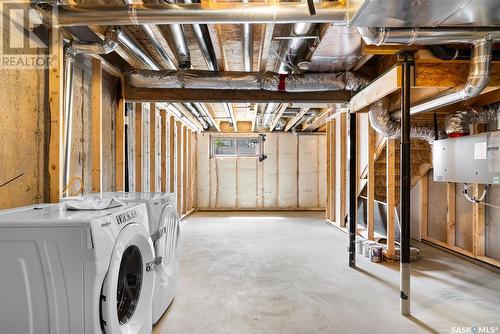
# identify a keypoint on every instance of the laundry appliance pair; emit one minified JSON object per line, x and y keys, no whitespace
{"x":105,"y":270}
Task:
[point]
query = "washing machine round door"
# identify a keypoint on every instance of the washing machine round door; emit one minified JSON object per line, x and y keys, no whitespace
{"x":128,"y":286}
{"x":168,"y":243}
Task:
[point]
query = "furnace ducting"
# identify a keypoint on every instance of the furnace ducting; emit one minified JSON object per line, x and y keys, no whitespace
{"x":381,"y":121}
{"x":195,"y":79}
{"x":458,"y":123}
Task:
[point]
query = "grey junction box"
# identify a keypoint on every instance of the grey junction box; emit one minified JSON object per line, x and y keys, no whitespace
{"x":469,"y":159}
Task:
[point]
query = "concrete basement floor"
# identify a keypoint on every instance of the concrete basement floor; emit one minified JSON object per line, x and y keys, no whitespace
{"x":286,"y":272}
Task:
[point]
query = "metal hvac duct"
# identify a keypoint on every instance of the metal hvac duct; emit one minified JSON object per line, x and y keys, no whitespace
{"x":148,"y":31}
{"x":176,"y":36}
{"x":480,"y":63}
{"x":426,"y":36}
{"x":247,"y":45}
{"x":165,"y":13}
{"x":204,"y":42}
{"x":135,"y":49}
{"x":70,"y":51}
{"x":193,"y":110}
{"x":196,"y":79}
{"x":269,"y":111}
{"x":479,"y":75}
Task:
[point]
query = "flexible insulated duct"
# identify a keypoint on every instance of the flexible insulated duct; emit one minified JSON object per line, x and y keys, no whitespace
{"x":458,"y":123}
{"x":381,"y":122}
{"x":194,"y":79}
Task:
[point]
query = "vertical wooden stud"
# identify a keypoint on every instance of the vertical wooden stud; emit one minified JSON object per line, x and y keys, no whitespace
{"x":328,"y":171}
{"x":450,"y":214}
{"x":391,"y":196}
{"x":120,"y":145}
{"x":184,"y":170}
{"x":178,"y":159}
{"x":370,"y":186}
{"x":171,"y":151}
{"x":333,"y":164}
{"x":343,"y":170}
{"x":424,"y":199}
{"x":138,"y":146}
{"x":163,"y":117}
{"x":96,"y":125}
{"x":152,"y":147}
{"x":479,"y":225}
{"x":56,"y":74}
{"x":189,"y":156}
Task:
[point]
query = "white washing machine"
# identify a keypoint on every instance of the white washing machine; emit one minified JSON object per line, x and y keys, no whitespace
{"x":76,"y":271}
{"x":165,"y":233}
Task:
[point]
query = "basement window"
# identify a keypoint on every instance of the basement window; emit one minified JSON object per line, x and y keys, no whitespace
{"x":236,"y":147}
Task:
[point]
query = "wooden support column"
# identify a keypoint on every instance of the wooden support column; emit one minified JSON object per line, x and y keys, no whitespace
{"x":96,"y":125}
{"x":152,"y":147}
{"x":163,"y":115}
{"x":138,"y":146}
{"x":120,"y":145}
{"x":391,"y":196}
{"x":370,"y":186}
{"x":450,"y":214}
{"x":424,"y":199}
{"x":171,"y":155}
{"x":184,"y":170}
{"x":178,"y":159}
{"x":56,"y":74}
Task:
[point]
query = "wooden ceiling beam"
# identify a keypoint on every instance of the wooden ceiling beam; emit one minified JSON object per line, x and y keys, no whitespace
{"x":230,"y":95}
{"x":291,"y":122}
{"x":318,"y":121}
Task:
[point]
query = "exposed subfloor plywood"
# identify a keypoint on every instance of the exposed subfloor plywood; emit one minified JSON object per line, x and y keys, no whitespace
{"x":244,"y":273}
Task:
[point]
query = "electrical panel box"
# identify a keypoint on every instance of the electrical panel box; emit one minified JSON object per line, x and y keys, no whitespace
{"x":468,"y":159}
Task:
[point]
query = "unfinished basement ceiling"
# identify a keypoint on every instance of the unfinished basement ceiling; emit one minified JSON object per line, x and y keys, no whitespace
{"x":228,"y":44}
{"x":293,"y":48}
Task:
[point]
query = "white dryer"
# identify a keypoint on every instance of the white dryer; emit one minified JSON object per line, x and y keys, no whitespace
{"x":165,"y":234}
{"x":75,"y":271}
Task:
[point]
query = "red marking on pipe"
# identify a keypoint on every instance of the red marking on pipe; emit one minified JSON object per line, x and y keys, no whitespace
{"x":282,"y":84}
{"x":457,"y":134}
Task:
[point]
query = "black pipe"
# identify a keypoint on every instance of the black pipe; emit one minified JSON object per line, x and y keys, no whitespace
{"x":452,"y":53}
{"x":405,"y":182}
{"x":352,"y":190}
